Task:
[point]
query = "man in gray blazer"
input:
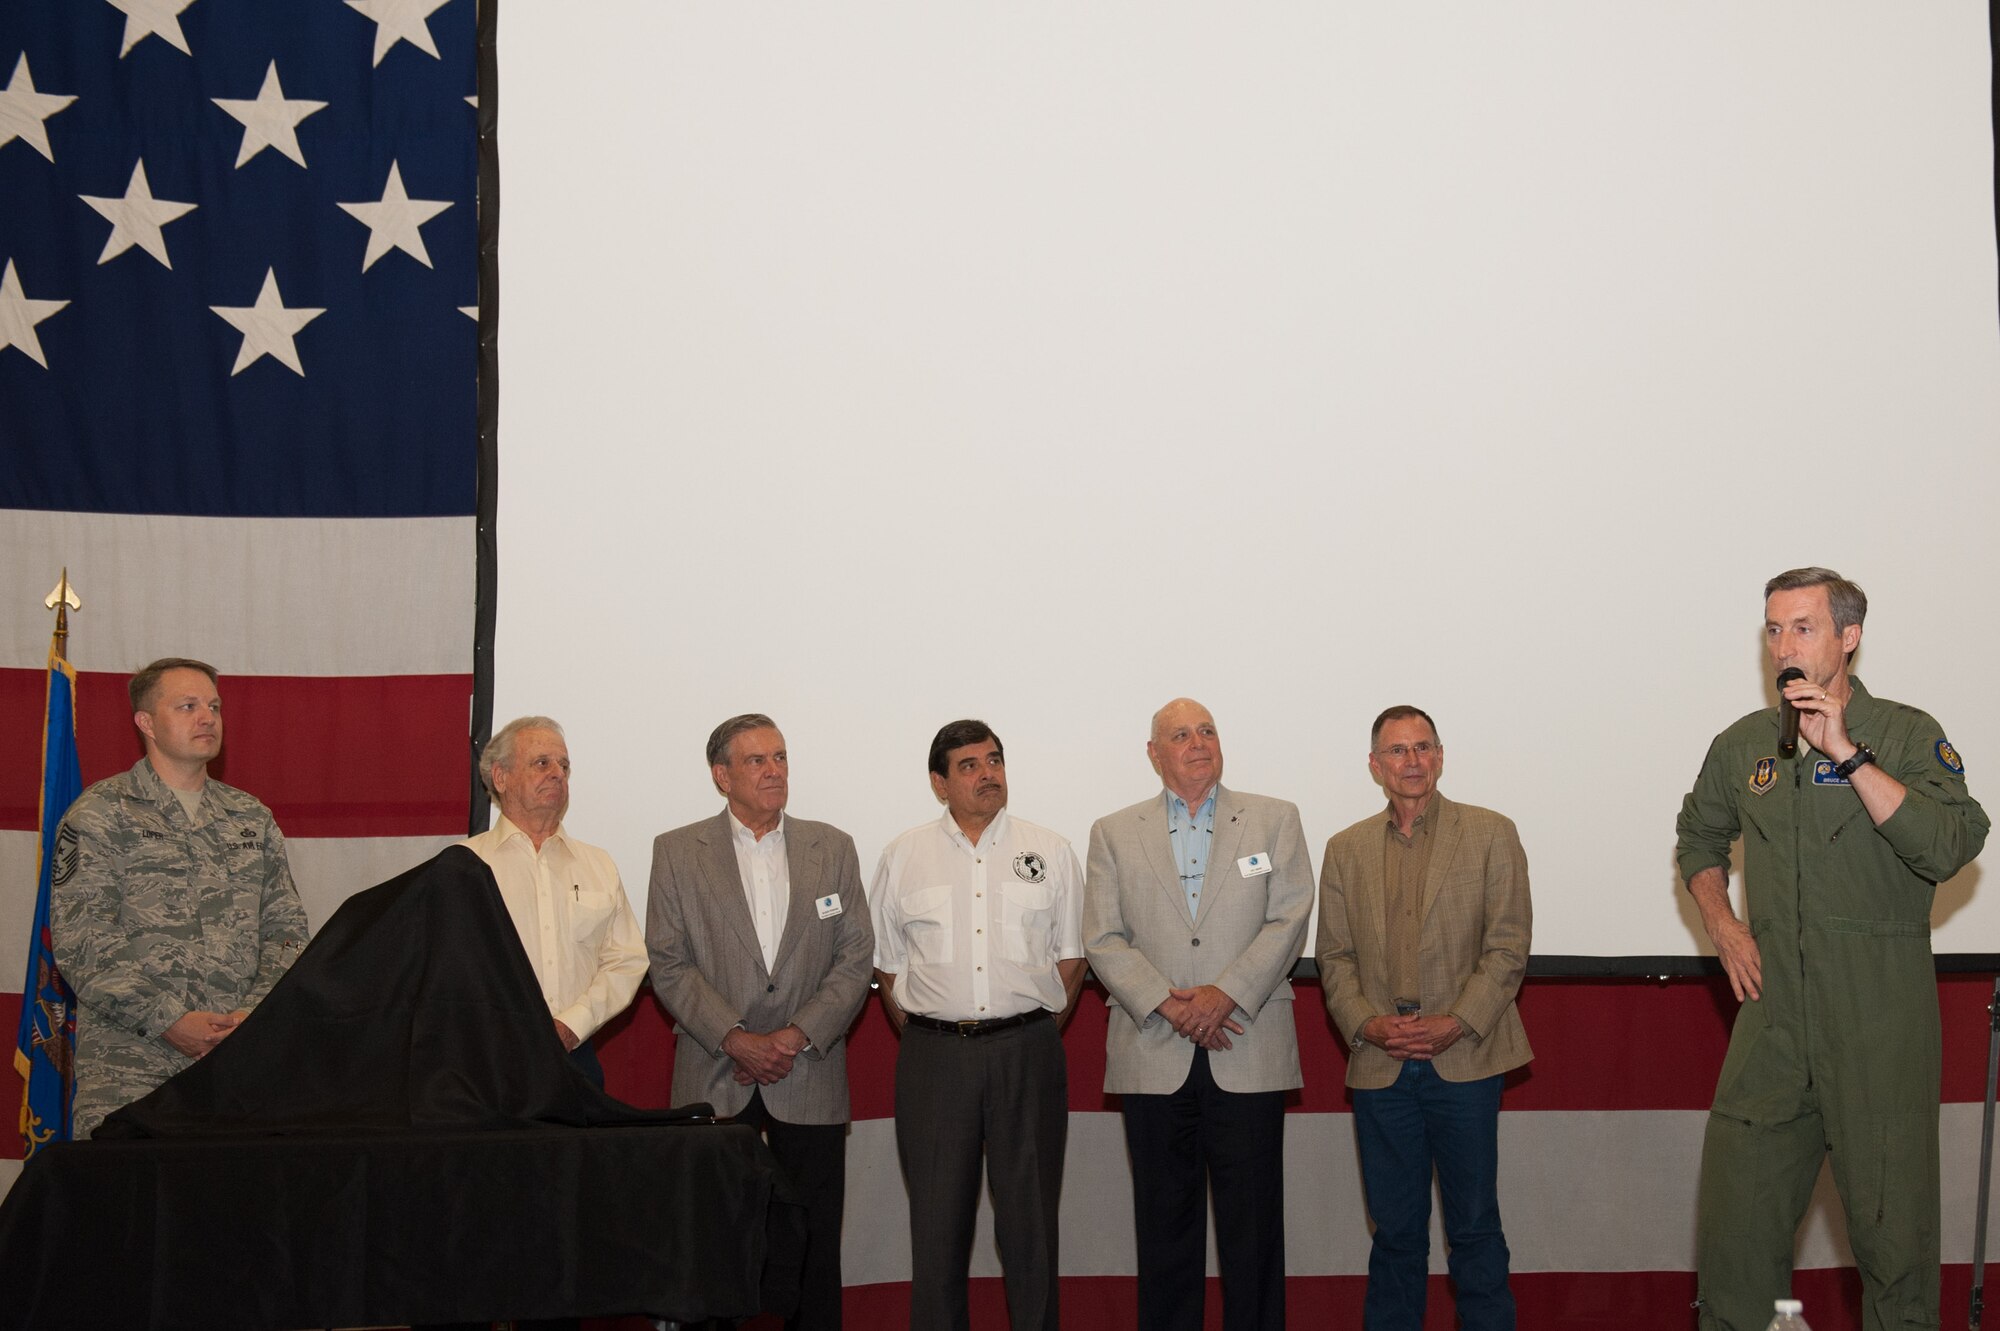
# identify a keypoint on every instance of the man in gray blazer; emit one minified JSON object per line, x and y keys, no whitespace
{"x":1195,"y":906}
{"x":1424,"y":923}
{"x":758,"y":933}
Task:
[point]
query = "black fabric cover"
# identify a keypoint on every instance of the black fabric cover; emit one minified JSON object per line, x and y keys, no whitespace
{"x":396,"y":1135}
{"x":413,"y":1008}
{"x":279,"y":1233}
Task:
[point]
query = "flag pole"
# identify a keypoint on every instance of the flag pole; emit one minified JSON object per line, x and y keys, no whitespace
{"x":45,"y":1039}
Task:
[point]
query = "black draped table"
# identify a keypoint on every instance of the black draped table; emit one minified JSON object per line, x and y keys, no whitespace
{"x":396,"y":1135}
{"x":279,"y":1233}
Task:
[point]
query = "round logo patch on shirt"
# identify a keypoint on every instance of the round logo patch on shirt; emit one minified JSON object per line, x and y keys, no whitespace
{"x":1030,"y":867}
{"x":1948,"y":758}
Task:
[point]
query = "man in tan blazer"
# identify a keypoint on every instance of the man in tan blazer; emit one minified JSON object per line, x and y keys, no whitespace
{"x":1195,"y":907}
{"x":1424,"y":922}
{"x":758,"y":933}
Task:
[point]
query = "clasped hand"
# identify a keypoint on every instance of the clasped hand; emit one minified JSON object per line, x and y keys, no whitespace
{"x":763,"y":1059}
{"x":1412,"y":1038}
{"x":1201,"y":1014}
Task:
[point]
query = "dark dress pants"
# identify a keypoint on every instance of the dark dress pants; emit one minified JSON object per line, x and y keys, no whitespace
{"x":1182,"y":1145}
{"x":1001,"y":1100}
{"x":1404,"y":1131}
{"x":814,"y":1155}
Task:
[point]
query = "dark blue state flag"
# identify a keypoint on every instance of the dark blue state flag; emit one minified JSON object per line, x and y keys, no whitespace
{"x":47,"y":1035}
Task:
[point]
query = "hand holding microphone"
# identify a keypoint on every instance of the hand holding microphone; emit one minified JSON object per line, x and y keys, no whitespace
{"x":1788,"y":714}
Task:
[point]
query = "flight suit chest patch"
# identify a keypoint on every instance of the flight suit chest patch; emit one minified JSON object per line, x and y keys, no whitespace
{"x":1764,"y":777}
{"x":1823,"y":774}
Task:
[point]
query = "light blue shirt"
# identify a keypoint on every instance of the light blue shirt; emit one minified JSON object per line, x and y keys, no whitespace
{"x":1190,"y":831}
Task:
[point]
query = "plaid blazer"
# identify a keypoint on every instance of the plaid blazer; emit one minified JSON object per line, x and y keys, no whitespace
{"x":1472,"y":946}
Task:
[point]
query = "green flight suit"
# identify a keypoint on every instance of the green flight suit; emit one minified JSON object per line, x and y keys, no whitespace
{"x":1841,"y":1053}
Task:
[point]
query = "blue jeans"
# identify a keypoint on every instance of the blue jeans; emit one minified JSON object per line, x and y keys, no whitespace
{"x":1419,"y":1123}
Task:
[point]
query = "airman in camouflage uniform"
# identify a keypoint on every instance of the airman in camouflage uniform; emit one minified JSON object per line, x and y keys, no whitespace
{"x":172,"y":907}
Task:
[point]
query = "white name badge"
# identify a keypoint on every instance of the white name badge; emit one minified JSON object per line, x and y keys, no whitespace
{"x":1251,"y":866}
{"x":829,"y":906}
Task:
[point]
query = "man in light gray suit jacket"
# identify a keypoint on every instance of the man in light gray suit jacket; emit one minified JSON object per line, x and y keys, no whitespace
{"x":1195,"y":906}
{"x":758,"y":933}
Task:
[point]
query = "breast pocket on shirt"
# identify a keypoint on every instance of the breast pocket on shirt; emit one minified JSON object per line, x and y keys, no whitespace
{"x":1027,"y":923}
{"x":590,"y":912}
{"x":927,"y":926}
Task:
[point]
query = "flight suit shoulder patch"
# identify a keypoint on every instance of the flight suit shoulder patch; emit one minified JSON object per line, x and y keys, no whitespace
{"x":1948,"y":758}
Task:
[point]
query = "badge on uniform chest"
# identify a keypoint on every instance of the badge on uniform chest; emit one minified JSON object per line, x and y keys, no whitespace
{"x":1825,"y":775}
{"x":1765,"y":776}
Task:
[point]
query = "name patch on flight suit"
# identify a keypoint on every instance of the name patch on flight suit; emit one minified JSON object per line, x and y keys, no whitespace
{"x":1948,"y":758}
{"x":1823,"y":774}
{"x":1765,"y":776}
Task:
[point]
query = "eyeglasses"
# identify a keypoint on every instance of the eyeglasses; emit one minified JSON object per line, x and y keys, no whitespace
{"x":1423,"y":748}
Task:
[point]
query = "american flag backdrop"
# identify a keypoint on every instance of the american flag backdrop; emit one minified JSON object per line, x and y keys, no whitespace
{"x":239,"y":401}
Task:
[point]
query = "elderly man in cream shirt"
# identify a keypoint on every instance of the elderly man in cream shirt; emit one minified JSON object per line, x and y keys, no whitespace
{"x":565,"y":896}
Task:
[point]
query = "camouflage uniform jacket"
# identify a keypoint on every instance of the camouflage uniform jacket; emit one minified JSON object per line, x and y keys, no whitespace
{"x":155,"y":915}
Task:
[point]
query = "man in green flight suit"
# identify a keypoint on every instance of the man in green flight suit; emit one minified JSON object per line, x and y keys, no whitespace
{"x":1837,"y":1045}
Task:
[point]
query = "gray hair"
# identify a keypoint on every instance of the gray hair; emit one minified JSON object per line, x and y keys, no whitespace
{"x":718,"y":738}
{"x":1401,"y":712}
{"x":1847,"y":601}
{"x":499,"y":751}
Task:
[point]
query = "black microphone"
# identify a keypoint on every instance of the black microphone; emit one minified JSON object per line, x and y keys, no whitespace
{"x":1788,"y":715}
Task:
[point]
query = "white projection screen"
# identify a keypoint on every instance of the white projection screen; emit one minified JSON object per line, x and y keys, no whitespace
{"x":875,"y":364}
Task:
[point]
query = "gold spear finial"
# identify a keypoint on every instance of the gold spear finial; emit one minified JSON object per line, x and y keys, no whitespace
{"x":63,"y":600}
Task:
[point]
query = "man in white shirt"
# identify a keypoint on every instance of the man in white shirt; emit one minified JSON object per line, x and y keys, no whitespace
{"x":565,"y":897}
{"x":979,"y":952}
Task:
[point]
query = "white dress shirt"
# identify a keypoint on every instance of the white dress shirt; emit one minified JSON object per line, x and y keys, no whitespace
{"x":974,"y":932}
{"x":575,"y":922}
{"x":767,"y":882}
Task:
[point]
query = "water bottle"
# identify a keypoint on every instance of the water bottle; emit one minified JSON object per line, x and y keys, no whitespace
{"x":1788,"y":1317}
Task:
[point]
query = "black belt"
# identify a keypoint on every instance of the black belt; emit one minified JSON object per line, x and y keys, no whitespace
{"x":968,"y":1029}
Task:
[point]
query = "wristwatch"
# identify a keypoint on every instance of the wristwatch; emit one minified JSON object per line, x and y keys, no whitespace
{"x":1861,"y":757}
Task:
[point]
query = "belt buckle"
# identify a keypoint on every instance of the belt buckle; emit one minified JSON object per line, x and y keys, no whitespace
{"x":967,"y":1029}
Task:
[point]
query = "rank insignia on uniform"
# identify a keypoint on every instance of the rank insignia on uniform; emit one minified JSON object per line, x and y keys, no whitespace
{"x":1948,"y":758}
{"x":1030,"y":867}
{"x":1765,"y":776}
{"x":64,"y":863}
{"x":1823,"y":774}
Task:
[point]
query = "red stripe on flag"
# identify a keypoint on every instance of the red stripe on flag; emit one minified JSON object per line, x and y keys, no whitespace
{"x":1600,"y":1045}
{"x":1544,"y":1300}
{"x":376,"y":756}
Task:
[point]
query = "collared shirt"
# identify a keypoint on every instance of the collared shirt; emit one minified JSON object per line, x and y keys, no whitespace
{"x":1405,"y":862}
{"x":767,"y":882}
{"x":1190,"y":831}
{"x":974,"y":932}
{"x":575,"y":922}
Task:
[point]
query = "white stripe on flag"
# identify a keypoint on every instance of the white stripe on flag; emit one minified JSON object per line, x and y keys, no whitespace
{"x":255,"y":596}
{"x":328,"y":870}
{"x":1597,"y":1190}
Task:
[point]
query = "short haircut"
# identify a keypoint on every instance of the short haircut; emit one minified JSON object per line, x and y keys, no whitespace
{"x":1847,"y":601}
{"x":1400,"y":712}
{"x":147,"y":682}
{"x":720,"y":737}
{"x":499,"y":751}
{"x":956,"y":736}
